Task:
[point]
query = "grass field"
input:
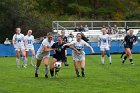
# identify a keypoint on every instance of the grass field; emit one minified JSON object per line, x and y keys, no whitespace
{"x":115,"y":78}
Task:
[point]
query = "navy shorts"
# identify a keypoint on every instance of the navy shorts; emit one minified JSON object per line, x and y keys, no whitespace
{"x":60,"y":58}
{"x":128,"y":46}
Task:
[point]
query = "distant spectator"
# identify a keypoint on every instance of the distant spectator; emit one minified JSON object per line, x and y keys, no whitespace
{"x":76,"y":29}
{"x":71,"y":36}
{"x":86,"y":28}
{"x":7,"y":42}
{"x":115,"y":29}
{"x":138,"y":34}
{"x":84,"y":37}
{"x":109,"y":29}
{"x":63,"y":36}
{"x":127,"y":28}
{"x":81,"y":29}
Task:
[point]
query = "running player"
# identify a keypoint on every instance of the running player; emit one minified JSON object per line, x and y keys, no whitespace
{"x":18,"y":43}
{"x":79,"y":45}
{"x":59,"y":54}
{"x":29,"y":41}
{"x":104,"y":44}
{"x":129,"y":41}
{"x":43,"y":53}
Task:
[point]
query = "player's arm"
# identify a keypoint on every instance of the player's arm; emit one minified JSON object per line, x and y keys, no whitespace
{"x":73,"y":48}
{"x":109,"y":41}
{"x":135,"y":41}
{"x":90,"y":47}
{"x":13,"y":41}
{"x":46,"y":49}
{"x":122,"y":43}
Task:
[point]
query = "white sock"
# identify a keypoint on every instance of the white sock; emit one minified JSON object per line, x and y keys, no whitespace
{"x":110,"y":59}
{"x":18,"y":62}
{"x":36,"y":69}
{"x":24,"y":61}
{"x":102,"y":59}
{"x":33,"y":59}
{"x":46,"y":70}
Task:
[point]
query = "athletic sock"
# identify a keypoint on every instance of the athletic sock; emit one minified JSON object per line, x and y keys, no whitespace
{"x":32,"y":60}
{"x":83,"y":73}
{"x":46,"y":70}
{"x":18,"y":62}
{"x":131,"y":61}
{"x":102,"y":59}
{"x":122,"y":54}
{"x":36,"y":69}
{"x":125,"y":57}
{"x":52,"y":72}
{"x":110,"y":60}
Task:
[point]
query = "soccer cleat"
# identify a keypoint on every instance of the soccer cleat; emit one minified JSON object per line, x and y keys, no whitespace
{"x":78,"y":75}
{"x":83,"y":74}
{"x":132,"y":64}
{"x":36,"y":75}
{"x":66,"y":64}
{"x":110,"y":63}
{"x":46,"y":76}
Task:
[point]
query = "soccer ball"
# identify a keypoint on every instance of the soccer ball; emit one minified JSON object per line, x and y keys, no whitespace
{"x":57,"y":65}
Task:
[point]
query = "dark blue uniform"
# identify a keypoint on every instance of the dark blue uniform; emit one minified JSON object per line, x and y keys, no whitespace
{"x":129,"y":40}
{"x":59,"y":51}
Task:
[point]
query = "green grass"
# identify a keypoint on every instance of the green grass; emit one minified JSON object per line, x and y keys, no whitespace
{"x":115,"y":78}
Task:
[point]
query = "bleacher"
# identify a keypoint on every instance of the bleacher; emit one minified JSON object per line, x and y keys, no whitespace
{"x":94,"y":28}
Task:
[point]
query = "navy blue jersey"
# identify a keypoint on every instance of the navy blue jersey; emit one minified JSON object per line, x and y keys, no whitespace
{"x":59,"y":49}
{"x":130,"y":40}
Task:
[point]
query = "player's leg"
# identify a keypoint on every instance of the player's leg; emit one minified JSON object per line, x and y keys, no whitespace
{"x":126,"y":54}
{"x":46,"y":62}
{"x":38,"y":62}
{"x":76,"y":68}
{"x":18,"y":58}
{"x":27,"y":56}
{"x":102,"y":56}
{"x":33,"y":57}
{"x":109,"y":56}
{"x":130,"y":56}
{"x":24,"y":58}
{"x":65,"y":61}
{"x":122,"y":54}
{"x":52,"y":66}
{"x":82,"y":63}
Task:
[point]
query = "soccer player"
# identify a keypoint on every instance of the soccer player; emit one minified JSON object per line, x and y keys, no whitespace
{"x":18,"y":43}
{"x":59,"y":54}
{"x":104,"y":44}
{"x":79,"y":45}
{"x":129,"y":41}
{"x":43,"y":53}
{"x":65,"y":40}
{"x":29,"y":41}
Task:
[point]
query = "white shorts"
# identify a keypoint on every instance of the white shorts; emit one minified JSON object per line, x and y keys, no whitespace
{"x":77,"y":57}
{"x":104,"y":48}
{"x":28,"y":48}
{"x":42,"y":56}
{"x":21,"y":47}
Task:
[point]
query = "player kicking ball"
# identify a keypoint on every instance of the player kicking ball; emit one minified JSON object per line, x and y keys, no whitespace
{"x":104,"y":44}
{"x":59,"y":55}
{"x":29,"y":41}
{"x":79,"y":57}
{"x":43,"y":53}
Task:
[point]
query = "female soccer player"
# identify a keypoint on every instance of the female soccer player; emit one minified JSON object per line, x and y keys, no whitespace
{"x":59,"y":54}
{"x":79,"y":45}
{"x":43,"y":53}
{"x":29,"y":41}
{"x":18,"y":43}
{"x":104,"y":44}
{"x":129,"y":41}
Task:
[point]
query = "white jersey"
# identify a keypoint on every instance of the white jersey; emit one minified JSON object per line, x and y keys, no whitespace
{"x":104,"y":40}
{"x":19,"y":40}
{"x":79,"y":46}
{"x":29,"y":41}
{"x":40,"y":53}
